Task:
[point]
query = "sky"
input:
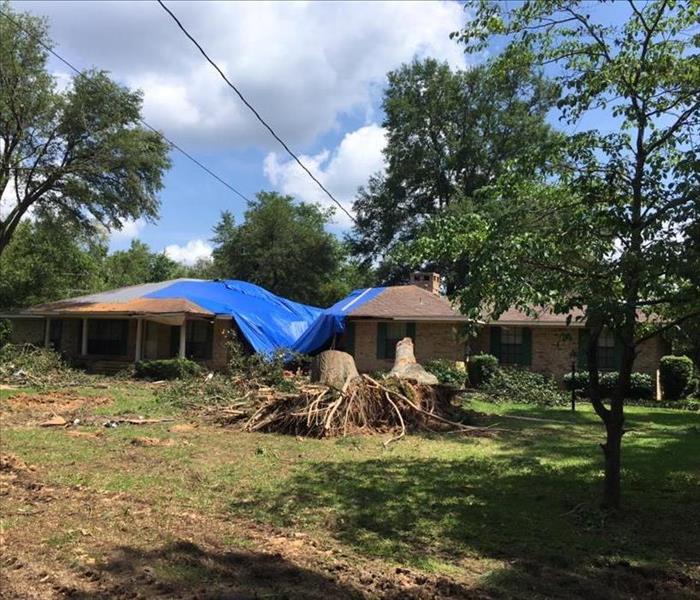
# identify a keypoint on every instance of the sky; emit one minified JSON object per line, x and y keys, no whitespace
{"x":314,"y":70}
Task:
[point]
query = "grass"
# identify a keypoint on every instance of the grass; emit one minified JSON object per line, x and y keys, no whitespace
{"x":516,"y":512}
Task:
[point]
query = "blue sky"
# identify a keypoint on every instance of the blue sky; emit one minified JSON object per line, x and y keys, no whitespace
{"x":315,"y":70}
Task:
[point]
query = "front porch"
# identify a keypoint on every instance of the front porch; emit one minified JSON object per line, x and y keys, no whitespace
{"x":108,"y":344}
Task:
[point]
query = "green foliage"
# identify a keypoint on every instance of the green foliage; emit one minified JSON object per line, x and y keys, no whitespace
{"x":447,"y":372}
{"x":39,"y":367}
{"x":168,"y":368}
{"x":676,"y":374}
{"x":254,"y":368}
{"x":283,"y":246}
{"x":449,"y":134}
{"x":641,"y":384}
{"x":49,"y":259}
{"x":482,"y":369}
{"x":523,"y":387}
{"x":137,"y":265}
{"x":610,"y":223}
{"x":5,"y":332}
{"x":80,"y":152}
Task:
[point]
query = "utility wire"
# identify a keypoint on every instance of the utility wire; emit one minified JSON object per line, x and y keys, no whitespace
{"x":255,"y":112}
{"x":143,"y":122}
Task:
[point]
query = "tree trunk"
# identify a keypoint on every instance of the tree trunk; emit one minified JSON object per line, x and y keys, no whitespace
{"x":333,"y":368}
{"x":612,"y":452}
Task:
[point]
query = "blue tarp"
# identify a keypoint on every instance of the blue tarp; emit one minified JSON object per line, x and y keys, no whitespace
{"x":268,"y":322}
{"x":332,"y":321}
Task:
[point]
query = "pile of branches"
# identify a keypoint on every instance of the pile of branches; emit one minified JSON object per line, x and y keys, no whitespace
{"x":25,"y":364}
{"x":365,"y":405}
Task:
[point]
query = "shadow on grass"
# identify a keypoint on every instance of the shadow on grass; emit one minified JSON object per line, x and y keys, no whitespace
{"x":532,"y":503}
{"x":186,"y":570}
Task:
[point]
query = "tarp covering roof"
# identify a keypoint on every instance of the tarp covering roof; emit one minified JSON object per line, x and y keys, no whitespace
{"x":332,"y":320}
{"x":268,"y":322}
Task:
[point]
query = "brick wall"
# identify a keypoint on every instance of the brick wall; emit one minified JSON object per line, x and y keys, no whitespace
{"x":219,"y":353}
{"x":433,"y":340}
{"x":71,"y":337}
{"x":28,"y":331}
{"x":552,"y":348}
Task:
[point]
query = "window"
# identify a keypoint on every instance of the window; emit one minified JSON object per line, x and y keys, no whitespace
{"x":608,"y":350}
{"x":389,"y":334}
{"x":512,"y":345}
{"x":198,"y":341}
{"x":107,"y":337}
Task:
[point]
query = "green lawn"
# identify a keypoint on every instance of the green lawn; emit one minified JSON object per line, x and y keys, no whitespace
{"x":512,"y":515}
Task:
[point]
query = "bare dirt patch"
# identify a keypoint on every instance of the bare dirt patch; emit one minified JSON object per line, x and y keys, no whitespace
{"x":40,"y":407}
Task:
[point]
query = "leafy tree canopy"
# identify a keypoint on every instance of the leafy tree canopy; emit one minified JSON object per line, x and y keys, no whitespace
{"x":282,"y":245}
{"x":449,"y":133}
{"x":79,"y":152}
{"x":49,"y":260}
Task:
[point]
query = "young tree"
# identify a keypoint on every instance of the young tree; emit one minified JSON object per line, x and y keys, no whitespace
{"x":449,"y":133}
{"x":282,"y":245}
{"x":80,"y":153}
{"x":610,"y":228}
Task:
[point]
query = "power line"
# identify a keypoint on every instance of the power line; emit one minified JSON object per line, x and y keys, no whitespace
{"x":255,"y":112}
{"x":142,"y":121}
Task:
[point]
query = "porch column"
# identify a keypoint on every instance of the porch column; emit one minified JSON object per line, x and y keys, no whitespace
{"x":139,"y":335}
{"x":84,"y":340}
{"x":47,"y":332}
{"x":183,"y":339}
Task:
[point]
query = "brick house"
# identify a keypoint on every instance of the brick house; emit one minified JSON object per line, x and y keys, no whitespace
{"x":185,"y":318}
{"x":546,"y":344}
{"x":193,"y":318}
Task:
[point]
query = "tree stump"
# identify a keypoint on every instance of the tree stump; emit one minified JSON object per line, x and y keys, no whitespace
{"x":406,"y":367}
{"x":333,"y":368}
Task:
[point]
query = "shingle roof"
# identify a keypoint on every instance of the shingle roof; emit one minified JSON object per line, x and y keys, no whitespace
{"x":135,"y":306}
{"x":543,"y":316}
{"x":407,"y":301}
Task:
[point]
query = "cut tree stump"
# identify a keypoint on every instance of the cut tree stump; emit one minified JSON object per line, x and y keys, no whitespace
{"x":333,"y":368}
{"x":406,"y":367}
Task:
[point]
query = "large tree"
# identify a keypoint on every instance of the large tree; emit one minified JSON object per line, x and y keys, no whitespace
{"x":449,"y":133}
{"x":612,"y":227}
{"x":81,"y":151}
{"x":282,"y":245}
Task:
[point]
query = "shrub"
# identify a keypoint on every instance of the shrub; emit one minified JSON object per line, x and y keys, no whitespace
{"x":5,"y":331}
{"x":676,"y":374}
{"x":641,"y":385}
{"x":482,"y":369}
{"x":258,"y":368}
{"x":524,"y":387}
{"x":169,"y":368}
{"x":447,"y":372}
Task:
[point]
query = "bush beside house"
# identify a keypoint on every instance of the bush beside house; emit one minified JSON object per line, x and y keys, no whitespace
{"x":676,"y":374}
{"x":170,"y":368}
{"x":641,"y":384}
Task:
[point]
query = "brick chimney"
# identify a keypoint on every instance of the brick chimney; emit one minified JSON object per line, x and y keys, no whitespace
{"x":427,"y":281}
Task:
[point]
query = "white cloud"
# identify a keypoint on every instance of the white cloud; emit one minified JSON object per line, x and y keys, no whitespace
{"x":190,"y":253}
{"x":342,"y":171}
{"x":303,"y":65}
{"x":131,"y":228}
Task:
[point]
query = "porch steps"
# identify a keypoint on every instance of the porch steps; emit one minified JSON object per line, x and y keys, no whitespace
{"x":108,"y":367}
